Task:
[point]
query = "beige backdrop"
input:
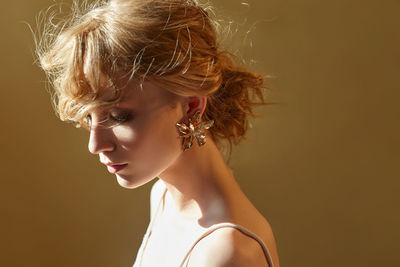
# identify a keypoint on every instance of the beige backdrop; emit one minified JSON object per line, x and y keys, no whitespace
{"x":323,"y":167}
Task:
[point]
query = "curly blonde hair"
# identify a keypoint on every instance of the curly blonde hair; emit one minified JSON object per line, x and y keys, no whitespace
{"x":171,"y":42}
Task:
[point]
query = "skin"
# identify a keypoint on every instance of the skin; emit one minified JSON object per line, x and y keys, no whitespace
{"x":202,"y":190}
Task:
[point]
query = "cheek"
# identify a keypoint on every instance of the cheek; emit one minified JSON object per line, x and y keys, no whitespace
{"x":153,"y":143}
{"x":162,"y":138}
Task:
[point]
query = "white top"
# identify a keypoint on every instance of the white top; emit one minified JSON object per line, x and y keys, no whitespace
{"x":208,"y":231}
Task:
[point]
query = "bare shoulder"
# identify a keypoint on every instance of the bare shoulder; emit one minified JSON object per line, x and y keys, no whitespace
{"x":228,"y":247}
{"x":155,"y":195}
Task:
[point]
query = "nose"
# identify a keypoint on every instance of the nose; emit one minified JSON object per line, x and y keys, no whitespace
{"x":100,"y":140}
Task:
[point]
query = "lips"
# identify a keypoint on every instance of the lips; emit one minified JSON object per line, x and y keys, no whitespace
{"x":114,"y":168}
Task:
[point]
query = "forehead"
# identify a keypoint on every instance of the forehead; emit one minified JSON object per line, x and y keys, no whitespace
{"x":143,"y":94}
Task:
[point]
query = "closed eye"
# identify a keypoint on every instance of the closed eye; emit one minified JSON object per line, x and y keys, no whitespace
{"x":120,"y":117}
{"x":112,"y":119}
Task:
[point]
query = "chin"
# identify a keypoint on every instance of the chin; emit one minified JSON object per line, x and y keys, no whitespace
{"x":129,"y":183}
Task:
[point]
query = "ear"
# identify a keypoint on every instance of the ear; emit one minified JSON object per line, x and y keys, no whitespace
{"x":194,"y":104}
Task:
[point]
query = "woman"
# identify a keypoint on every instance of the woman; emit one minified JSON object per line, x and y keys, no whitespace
{"x":159,"y":97}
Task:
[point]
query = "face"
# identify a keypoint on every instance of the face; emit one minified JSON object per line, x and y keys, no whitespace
{"x":143,"y":142}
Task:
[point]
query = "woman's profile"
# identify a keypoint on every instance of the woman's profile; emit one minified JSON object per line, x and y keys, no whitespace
{"x":160,"y":99}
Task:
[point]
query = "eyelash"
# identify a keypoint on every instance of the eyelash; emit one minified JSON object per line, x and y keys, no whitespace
{"x":120,"y":118}
{"x":123,"y":117}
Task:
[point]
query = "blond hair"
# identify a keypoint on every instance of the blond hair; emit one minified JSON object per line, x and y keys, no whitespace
{"x":171,"y":42}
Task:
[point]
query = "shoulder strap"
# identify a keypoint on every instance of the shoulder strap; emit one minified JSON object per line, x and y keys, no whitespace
{"x":162,"y":200}
{"x":150,"y":228}
{"x":240,"y":228}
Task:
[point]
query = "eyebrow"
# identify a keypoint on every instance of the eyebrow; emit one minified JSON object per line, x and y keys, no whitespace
{"x":132,"y":102}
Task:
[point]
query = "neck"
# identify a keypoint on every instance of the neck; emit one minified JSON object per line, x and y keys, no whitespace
{"x":200,"y":183}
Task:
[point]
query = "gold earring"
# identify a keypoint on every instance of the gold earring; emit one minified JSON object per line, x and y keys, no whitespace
{"x":195,"y":129}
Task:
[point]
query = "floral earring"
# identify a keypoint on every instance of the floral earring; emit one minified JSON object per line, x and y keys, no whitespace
{"x":194,"y":129}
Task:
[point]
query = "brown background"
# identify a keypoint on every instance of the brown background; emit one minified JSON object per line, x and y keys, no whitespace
{"x":323,"y":167}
